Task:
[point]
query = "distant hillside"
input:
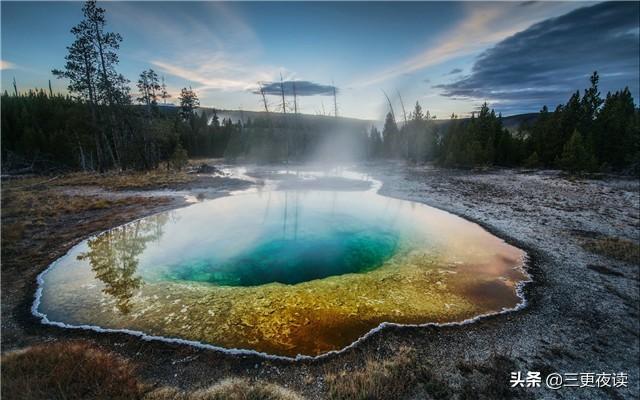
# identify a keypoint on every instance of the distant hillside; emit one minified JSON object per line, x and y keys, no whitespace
{"x":512,"y":123}
{"x":239,"y":115}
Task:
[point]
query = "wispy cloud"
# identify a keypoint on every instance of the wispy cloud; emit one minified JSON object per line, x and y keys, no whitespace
{"x":4,"y":65}
{"x":454,"y":71}
{"x":482,"y":26}
{"x":218,"y":56}
{"x":207,"y":76}
{"x":215,"y":26}
{"x":546,"y":62}
{"x":301,"y":88}
{"x":219,"y":72}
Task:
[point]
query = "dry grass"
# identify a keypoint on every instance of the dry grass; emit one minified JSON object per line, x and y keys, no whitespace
{"x":393,"y":378}
{"x":127,"y":180}
{"x":36,"y":217}
{"x":616,"y":248}
{"x":41,"y":204}
{"x":228,"y":389}
{"x":158,"y":178}
{"x":68,"y":370}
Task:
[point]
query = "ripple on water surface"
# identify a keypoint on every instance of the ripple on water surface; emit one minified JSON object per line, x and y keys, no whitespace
{"x":284,"y":272}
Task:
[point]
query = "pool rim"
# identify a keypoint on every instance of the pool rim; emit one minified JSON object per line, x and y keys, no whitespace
{"x":525,"y":266}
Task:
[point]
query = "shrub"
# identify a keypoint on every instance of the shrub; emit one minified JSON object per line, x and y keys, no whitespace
{"x":179,"y":158}
{"x":575,"y":155}
{"x":394,"y":378}
{"x":68,"y":370}
{"x":228,"y":389}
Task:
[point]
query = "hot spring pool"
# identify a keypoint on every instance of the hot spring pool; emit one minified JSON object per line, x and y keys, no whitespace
{"x":283,"y":272}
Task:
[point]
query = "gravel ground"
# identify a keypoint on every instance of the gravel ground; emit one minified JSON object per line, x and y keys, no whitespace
{"x":579,"y":319}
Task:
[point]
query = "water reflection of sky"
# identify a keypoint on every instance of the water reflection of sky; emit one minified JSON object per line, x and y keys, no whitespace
{"x":182,"y":265}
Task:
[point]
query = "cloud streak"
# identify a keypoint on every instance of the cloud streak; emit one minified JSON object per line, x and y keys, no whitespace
{"x":546,"y":62}
{"x":481,"y":27}
{"x":301,"y":88}
{"x":4,"y":65}
{"x":209,"y":76}
{"x":221,"y":51}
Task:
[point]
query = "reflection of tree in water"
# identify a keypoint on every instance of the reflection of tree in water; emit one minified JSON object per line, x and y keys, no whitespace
{"x":114,"y":257}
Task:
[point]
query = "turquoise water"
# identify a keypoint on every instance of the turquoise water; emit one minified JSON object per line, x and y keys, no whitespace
{"x":277,"y":237}
{"x":304,"y":270}
{"x":354,"y":249}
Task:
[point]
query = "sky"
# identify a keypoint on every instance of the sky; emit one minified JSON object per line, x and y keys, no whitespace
{"x":449,"y":56}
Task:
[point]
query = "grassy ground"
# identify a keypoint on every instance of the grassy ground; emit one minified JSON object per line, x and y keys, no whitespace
{"x":615,"y":248}
{"x":77,"y":370}
{"x":36,"y":215}
{"x":394,"y":378}
{"x":228,"y":389}
{"x":111,"y":180}
{"x":157,"y":179}
{"x":68,"y":370}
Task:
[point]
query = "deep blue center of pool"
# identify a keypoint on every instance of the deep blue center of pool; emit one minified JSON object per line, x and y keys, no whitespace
{"x":294,"y":260}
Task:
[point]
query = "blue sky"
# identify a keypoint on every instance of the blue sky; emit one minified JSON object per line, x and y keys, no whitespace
{"x":449,"y":56}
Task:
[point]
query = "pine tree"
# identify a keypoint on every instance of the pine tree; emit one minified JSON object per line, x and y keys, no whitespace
{"x":575,"y":156}
{"x":390,"y":136}
{"x":591,"y":100}
{"x":188,"y":103}
{"x":417,"y":114}
{"x":164,"y":95}
{"x":375,"y":143}
{"x":149,"y":88}
{"x":90,"y":68}
{"x":215,"y":121}
{"x":80,"y":68}
{"x":110,"y":83}
{"x":179,"y":158}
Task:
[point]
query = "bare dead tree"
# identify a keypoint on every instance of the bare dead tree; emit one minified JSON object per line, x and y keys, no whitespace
{"x":264,"y":98}
{"x":404,"y":112}
{"x":335,"y":100}
{"x":393,"y":114}
{"x":295,"y":99}
{"x":284,"y":105}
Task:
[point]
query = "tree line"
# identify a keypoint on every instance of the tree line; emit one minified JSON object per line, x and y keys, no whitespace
{"x":97,"y":126}
{"x":101,"y":125}
{"x":588,"y":133}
